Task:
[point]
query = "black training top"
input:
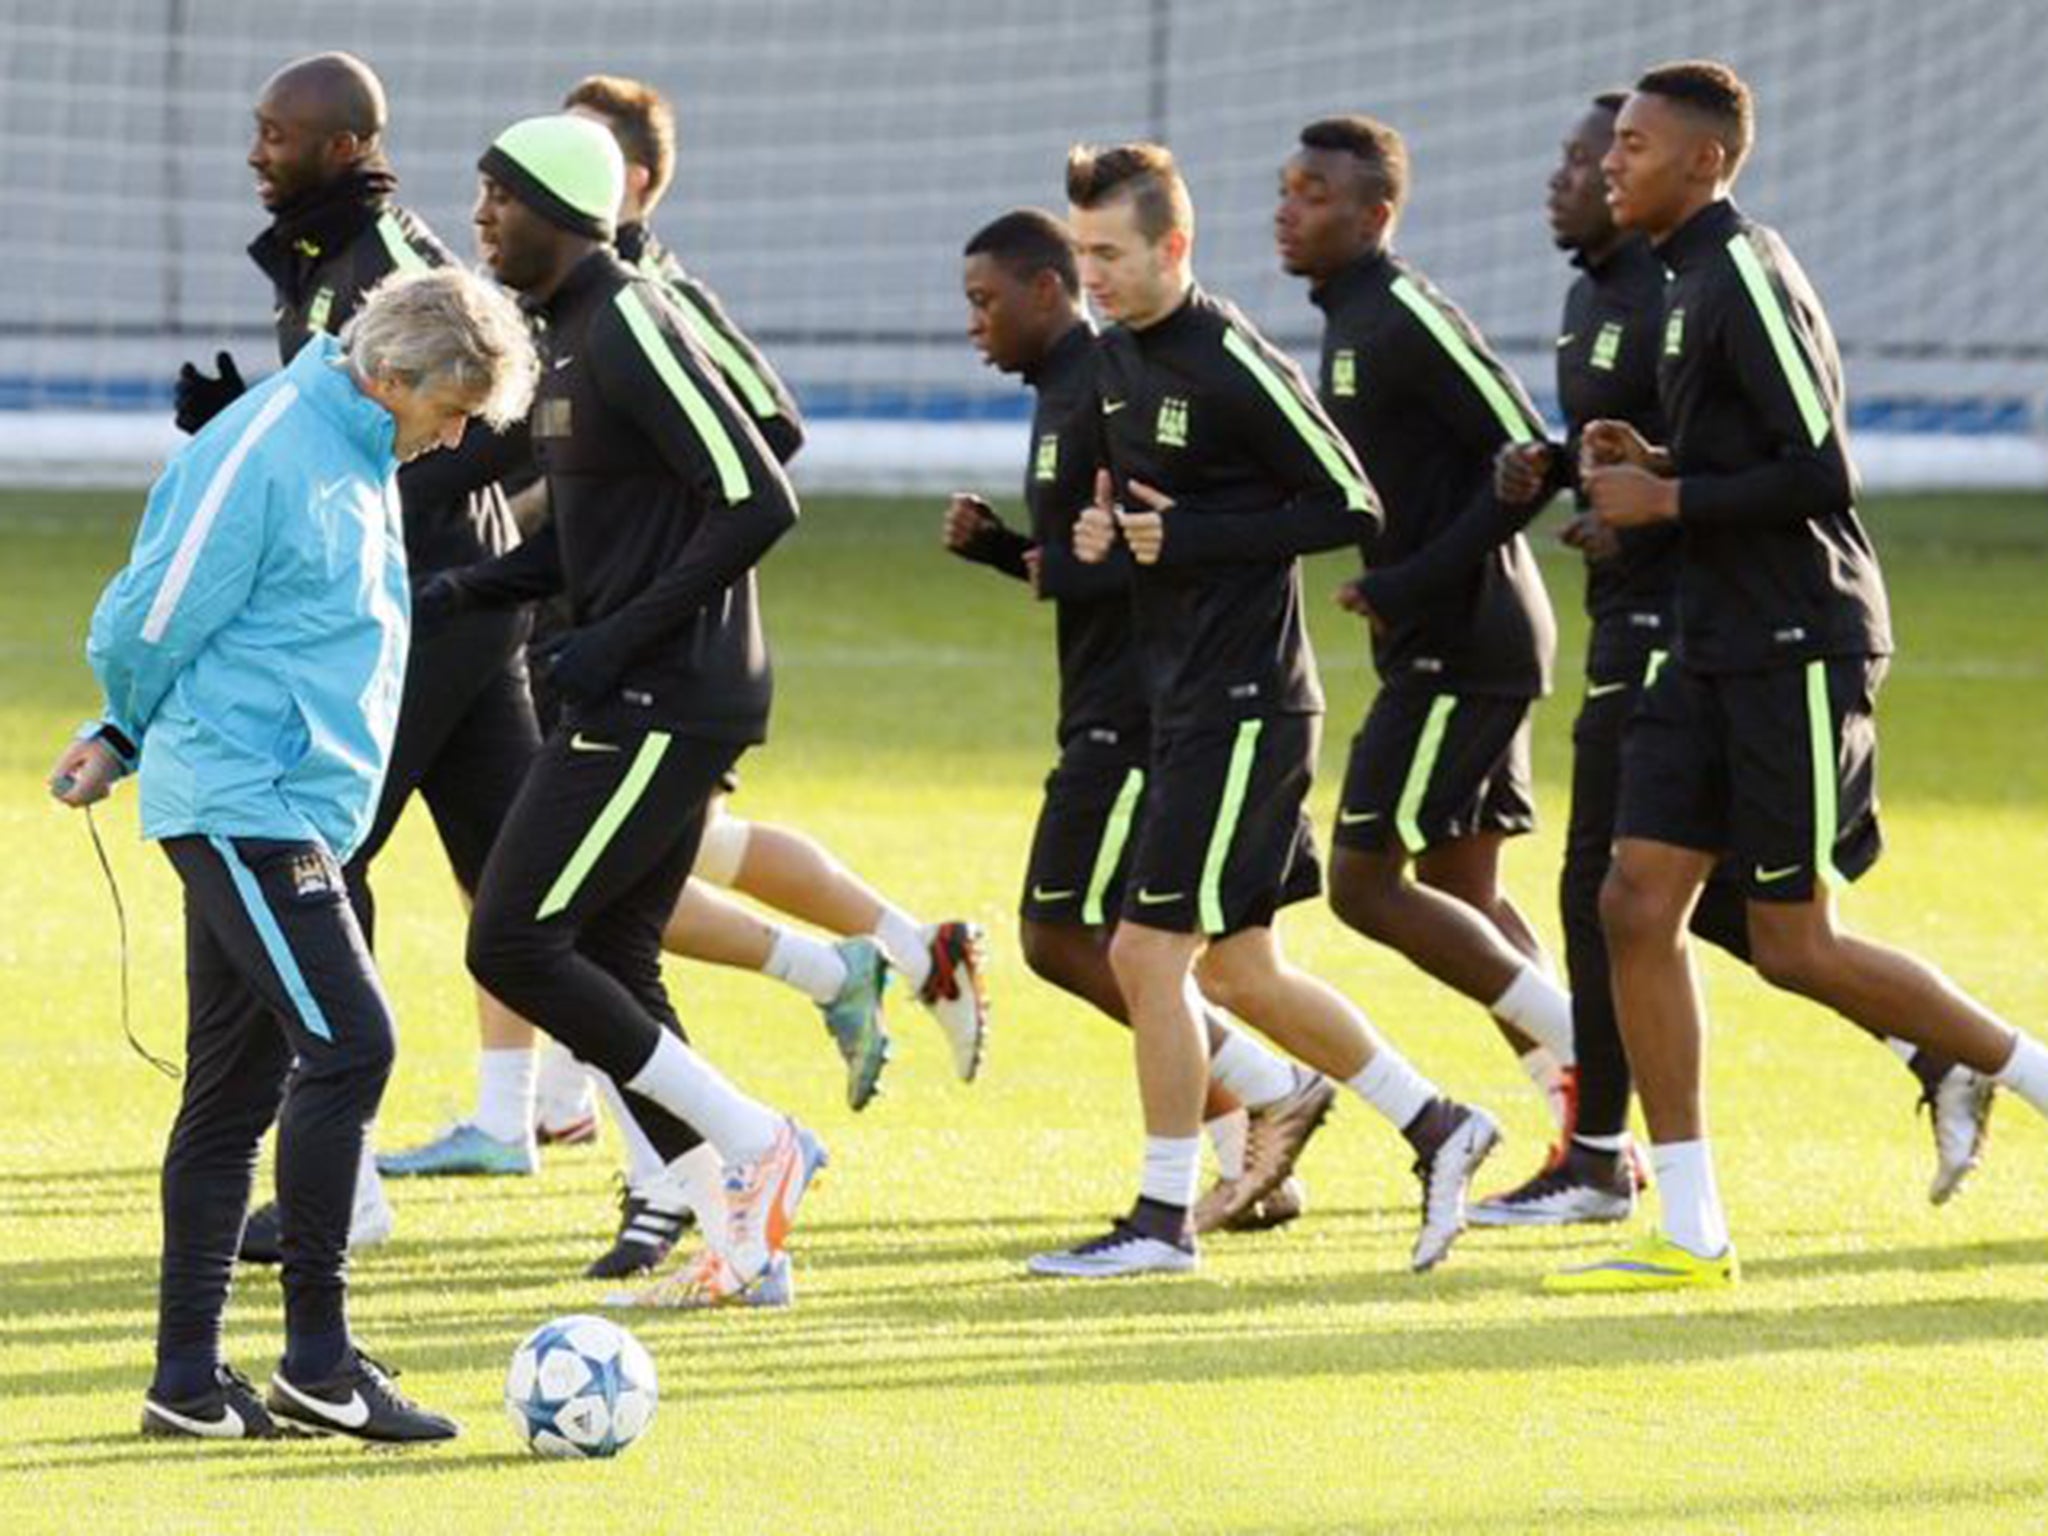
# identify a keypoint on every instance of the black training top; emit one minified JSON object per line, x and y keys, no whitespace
{"x":663,"y":499}
{"x":1101,"y":693}
{"x":323,"y":253}
{"x":746,"y":372}
{"x":1607,"y":371}
{"x":1776,"y":566}
{"x":1412,"y":385}
{"x":1204,"y":409}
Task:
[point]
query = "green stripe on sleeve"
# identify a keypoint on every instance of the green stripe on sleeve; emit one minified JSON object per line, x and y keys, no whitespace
{"x":1513,"y":419}
{"x":1115,"y":833}
{"x":1772,"y":313}
{"x":1235,"y":782}
{"x":725,"y":455}
{"x":1328,"y":453}
{"x":1408,"y":812}
{"x":1820,"y":737}
{"x":652,"y":749}
{"x":739,"y":372}
{"x":403,"y":257}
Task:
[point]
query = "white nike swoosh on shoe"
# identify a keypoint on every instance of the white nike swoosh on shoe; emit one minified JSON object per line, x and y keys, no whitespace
{"x":1601,"y":690}
{"x":353,"y":1414}
{"x":1354,"y":818}
{"x":582,"y":743}
{"x":229,"y":1426}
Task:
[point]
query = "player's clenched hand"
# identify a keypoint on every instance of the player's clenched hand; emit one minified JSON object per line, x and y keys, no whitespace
{"x":1095,"y":527}
{"x":968,"y":520}
{"x":85,"y":772}
{"x":1034,"y":567}
{"x":1613,"y":442}
{"x":1626,"y":496}
{"x":1351,"y":598}
{"x":1521,"y":471}
{"x":1145,"y":531}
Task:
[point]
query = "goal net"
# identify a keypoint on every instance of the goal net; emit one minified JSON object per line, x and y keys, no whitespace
{"x":836,"y":153}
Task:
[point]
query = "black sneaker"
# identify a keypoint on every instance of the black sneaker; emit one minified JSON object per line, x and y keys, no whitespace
{"x":1581,"y":1186}
{"x":648,"y":1229}
{"x":357,"y":1400}
{"x":228,"y":1410}
{"x":262,"y":1236}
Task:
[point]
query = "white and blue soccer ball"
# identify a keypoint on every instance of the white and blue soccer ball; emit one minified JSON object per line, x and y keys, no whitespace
{"x":579,"y":1386}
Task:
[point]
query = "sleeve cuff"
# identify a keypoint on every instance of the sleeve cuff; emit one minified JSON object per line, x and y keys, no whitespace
{"x":117,"y":740}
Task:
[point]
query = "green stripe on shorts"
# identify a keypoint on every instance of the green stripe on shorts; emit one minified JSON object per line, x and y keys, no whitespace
{"x":607,"y":825}
{"x":1235,"y":783}
{"x":1115,"y":833}
{"x":1820,"y":737}
{"x":1408,"y":813}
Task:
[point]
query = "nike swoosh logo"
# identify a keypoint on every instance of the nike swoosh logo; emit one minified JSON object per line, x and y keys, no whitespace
{"x":353,"y":1414}
{"x":1148,"y":899}
{"x":1766,"y":876}
{"x":1567,"y":339}
{"x":1601,"y":690}
{"x":1353,"y":818}
{"x":229,"y":1426}
{"x":1111,"y":407}
{"x":563,"y":362}
{"x":1040,"y":893}
{"x":582,"y":743}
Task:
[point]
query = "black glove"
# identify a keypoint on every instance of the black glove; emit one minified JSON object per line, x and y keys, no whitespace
{"x":583,"y":666}
{"x":438,"y":598}
{"x":200,"y":399}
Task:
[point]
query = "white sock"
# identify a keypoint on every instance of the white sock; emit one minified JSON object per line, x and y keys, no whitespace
{"x":697,"y":1179}
{"x":1173,"y":1169}
{"x":1227,"y":1136}
{"x":562,"y":1087}
{"x":2026,"y":1074}
{"x":505,"y":1082}
{"x":643,"y":1163}
{"x":370,"y":1200}
{"x":694,"y":1091}
{"x":1545,"y":1073}
{"x":807,"y":963}
{"x":1393,"y":1087}
{"x":905,"y":942}
{"x":1250,"y":1073}
{"x":1540,"y":1009}
{"x":1689,"y":1198}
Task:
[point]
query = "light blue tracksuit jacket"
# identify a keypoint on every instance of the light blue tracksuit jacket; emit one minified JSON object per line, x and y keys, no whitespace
{"x":254,"y":647}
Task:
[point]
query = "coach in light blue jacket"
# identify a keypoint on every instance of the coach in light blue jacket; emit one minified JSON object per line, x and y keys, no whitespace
{"x":252,"y":654}
{"x":254,"y":647}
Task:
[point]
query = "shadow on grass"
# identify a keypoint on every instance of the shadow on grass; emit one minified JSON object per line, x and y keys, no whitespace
{"x":1831,"y":1508}
{"x":994,"y":1328}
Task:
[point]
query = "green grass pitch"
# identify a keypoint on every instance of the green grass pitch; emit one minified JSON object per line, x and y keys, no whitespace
{"x":1882,"y":1369}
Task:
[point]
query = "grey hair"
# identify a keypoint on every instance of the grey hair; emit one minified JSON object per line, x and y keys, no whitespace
{"x":447,"y":327}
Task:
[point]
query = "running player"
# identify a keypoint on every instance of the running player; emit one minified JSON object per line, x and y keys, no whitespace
{"x":1758,"y":737}
{"x":1023,"y":295}
{"x":1439,"y":773}
{"x":1607,"y":370}
{"x":1220,"y":469}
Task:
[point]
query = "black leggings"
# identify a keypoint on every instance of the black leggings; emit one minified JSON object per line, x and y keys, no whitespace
{"x":579,"y":888}
{"x":1721,"y":918}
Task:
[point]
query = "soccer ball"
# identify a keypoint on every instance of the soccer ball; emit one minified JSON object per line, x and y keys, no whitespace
{"x":579,"y":1386}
